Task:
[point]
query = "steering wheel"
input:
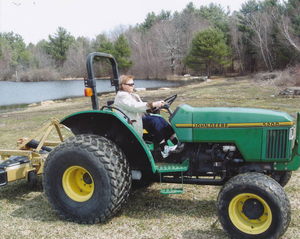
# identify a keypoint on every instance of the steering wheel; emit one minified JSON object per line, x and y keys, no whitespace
{"x":168,"y":101}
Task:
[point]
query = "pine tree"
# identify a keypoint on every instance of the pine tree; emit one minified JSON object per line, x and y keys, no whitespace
{"x":120,"y":49}
{"x":14,"y":44}
{"x":58,"y":46}
{"x":122,"y":53}
{"x":208,"y":49}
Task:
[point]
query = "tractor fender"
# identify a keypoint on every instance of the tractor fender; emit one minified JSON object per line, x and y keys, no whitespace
{"x":116,"y":128}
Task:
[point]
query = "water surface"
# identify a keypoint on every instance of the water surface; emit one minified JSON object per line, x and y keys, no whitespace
{"x":17,"y":94}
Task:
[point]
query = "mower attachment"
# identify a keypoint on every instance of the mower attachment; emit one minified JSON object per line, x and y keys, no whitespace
{"x":27,"y":160}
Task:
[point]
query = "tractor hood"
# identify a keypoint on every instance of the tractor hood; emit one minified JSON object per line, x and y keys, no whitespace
{"x":186,"y":116}
{"x":231,"y":125}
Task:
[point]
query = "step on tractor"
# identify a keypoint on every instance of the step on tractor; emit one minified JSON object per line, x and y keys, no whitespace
{"x":88,"y":177}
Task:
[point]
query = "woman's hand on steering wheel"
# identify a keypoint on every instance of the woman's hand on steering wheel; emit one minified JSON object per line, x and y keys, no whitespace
{"x":158,"y":104}
{"x":166,"y":103}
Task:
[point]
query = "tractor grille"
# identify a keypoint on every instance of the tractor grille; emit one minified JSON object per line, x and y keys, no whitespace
{"x":276,"y":145}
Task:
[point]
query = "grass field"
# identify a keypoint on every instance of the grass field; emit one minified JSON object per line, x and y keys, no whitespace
{"x":26,"y":213}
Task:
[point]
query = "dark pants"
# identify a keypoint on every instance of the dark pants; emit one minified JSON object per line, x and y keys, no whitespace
{"x":158,"y":126}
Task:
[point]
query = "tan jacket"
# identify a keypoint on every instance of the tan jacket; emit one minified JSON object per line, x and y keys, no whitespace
{"x":132,"y":105}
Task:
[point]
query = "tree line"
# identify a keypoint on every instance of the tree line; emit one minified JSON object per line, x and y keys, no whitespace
{"x":261,"y":36}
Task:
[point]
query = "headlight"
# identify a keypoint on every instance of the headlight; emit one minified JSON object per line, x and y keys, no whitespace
{"x":291,"y":135}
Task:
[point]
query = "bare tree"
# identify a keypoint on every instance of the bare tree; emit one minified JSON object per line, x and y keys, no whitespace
{"x":40,"y":59}
{"x":284,"y":26}
{"x":144,"y":54}
{"x":76,"y":57}
{"x":160,"y":50}
{"x":261,"y":24}
{"x":238,"y":47}
{"x":99,"y":39}
{"x":117,"y":31}
{"x":4,"y":62}
{"x":174,"y":37}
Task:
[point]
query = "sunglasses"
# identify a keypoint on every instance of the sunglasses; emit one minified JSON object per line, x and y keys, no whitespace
{"x":131,"y":84}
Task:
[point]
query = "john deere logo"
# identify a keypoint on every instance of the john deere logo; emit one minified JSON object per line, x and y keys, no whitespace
{"x":210,"y":125}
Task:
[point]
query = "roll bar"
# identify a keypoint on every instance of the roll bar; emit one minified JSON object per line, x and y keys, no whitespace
{"x":91,"y":82}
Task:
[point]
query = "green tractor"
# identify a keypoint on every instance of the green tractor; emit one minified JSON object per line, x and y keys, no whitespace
{"x":251,"y":152}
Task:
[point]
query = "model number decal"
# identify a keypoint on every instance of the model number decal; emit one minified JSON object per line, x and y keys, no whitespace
{"x":271,"y":124}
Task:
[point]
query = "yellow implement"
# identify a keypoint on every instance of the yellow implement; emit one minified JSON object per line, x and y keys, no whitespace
{"x":26,"y":160}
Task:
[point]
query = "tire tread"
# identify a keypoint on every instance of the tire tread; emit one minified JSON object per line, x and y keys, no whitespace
{"x":115,"y":163}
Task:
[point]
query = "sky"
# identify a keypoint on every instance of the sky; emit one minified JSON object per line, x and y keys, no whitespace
{"x":35,"y":20}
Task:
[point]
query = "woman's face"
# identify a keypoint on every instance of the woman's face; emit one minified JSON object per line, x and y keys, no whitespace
{"x":128,"y":86}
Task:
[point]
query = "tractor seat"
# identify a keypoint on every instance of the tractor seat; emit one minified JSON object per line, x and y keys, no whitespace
{"x":148,"y":138}
{"x":110,"y":102}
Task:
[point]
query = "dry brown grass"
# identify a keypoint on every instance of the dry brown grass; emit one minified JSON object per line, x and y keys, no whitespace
{"x":147,"y":214}
{"x":286,"y":78}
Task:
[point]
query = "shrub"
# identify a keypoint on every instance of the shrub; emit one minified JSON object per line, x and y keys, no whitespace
{"x":285,"y":78}
{"x":47,"y":74}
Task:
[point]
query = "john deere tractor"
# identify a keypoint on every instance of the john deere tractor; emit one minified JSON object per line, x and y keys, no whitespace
{"x":251,"y":152}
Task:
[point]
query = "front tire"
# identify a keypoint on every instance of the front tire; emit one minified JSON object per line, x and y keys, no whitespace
{"x":253,"y":205}
{"x":285,"y":178}
{"x":86,"y":179}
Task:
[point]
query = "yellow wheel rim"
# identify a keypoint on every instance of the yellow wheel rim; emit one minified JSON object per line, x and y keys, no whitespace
{"x":250,"y":213}
{"x":78,"y":183}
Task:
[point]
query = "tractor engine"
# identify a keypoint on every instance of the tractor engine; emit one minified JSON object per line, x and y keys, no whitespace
{"x":211,"y":159}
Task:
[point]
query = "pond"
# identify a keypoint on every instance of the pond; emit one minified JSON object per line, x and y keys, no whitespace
{"x":15,"y":95}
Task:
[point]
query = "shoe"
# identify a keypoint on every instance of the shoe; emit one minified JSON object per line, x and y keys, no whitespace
{"x":179,"y":148}
{"x":168,"y":150}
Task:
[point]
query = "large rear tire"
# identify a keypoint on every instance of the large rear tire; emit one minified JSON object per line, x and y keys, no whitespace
{"x":253,"y":205}
{"x":87,"y":179}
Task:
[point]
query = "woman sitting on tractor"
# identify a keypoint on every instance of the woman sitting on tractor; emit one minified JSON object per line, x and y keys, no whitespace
{"x":132,"y":105}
